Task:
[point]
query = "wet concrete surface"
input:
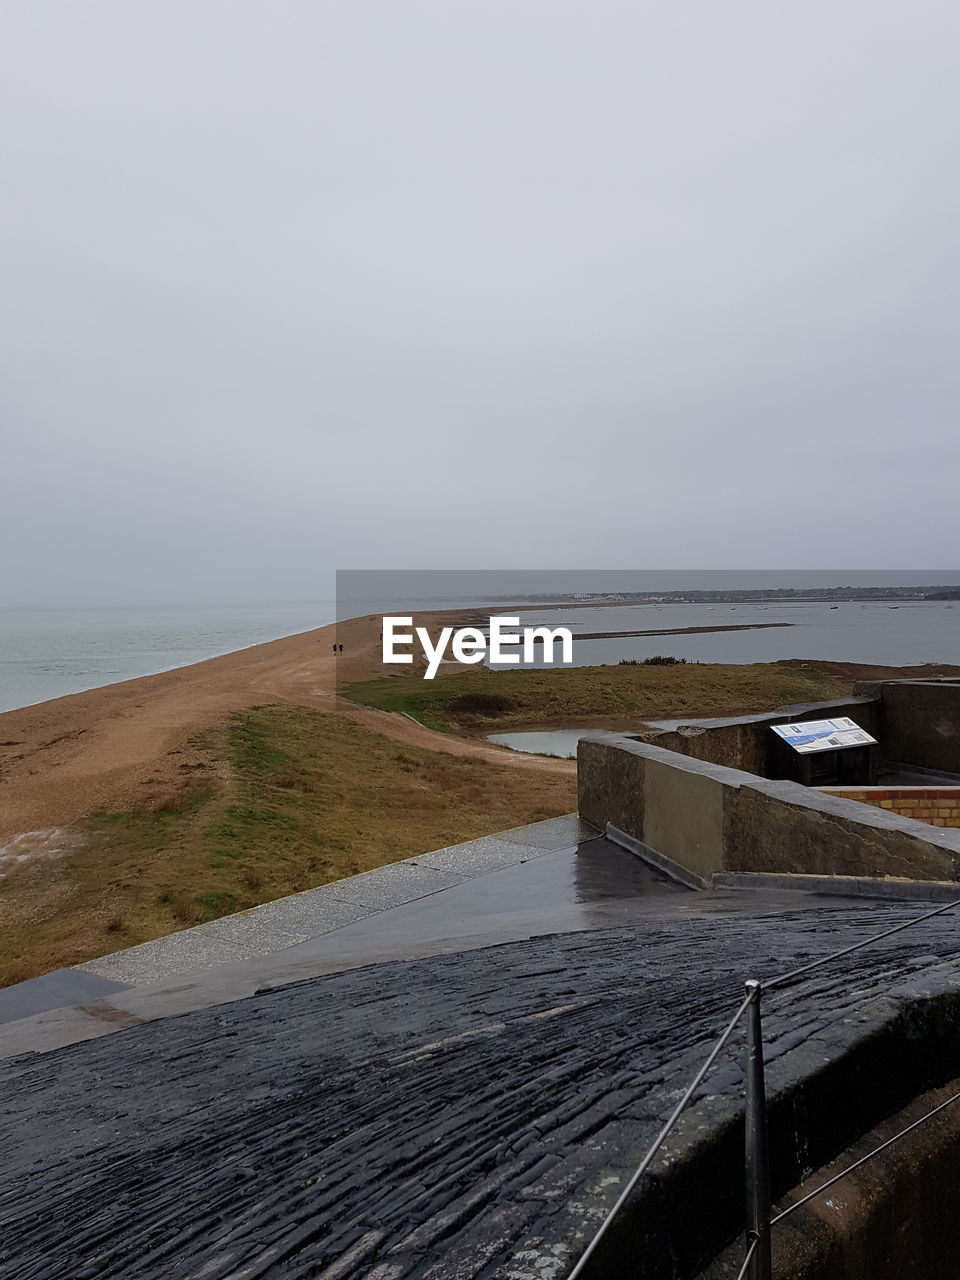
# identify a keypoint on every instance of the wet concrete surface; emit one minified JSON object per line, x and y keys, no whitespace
{"x":587,"y":887}
{"x":464,"y":1115}
{"x":595,"y":885}
{"x":453,"y":1087}
{"x":301,"y":917}
{"x":53,"y":991}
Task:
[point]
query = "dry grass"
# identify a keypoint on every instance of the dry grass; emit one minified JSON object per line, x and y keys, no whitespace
{"x":289,"y":798}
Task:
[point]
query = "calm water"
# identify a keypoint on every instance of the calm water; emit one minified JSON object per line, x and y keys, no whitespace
{"x":47,"y":653}
{"x":898,"y":635}
{"x":910,"y":634}
{"x":546,"y":742}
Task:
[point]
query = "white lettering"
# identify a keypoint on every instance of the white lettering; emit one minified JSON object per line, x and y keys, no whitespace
{"x":470,"y":645}
{"x":390,"y":638}
{"x":548,"y":638}
{"x":498,"y":639}
{"x":433,"y":654}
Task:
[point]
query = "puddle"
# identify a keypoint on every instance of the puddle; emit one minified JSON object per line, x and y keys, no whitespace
{"x":546,"y":742}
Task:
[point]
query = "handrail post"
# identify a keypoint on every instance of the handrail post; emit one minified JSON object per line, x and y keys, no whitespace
{"x":757,"y":1156}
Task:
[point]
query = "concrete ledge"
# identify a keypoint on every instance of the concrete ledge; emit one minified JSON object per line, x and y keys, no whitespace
{"x":260,"y":931}
{"x":659,"y":861}
{"x":709,"y":818}
{"x":740,"y":742}
{"x":796,"y":711}
{"x":287,"y":922}
{"x":888,"y":889}
{"x":53,"y":990}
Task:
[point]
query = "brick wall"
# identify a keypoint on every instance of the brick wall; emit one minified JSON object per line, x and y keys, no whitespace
{"x":938,"y":806}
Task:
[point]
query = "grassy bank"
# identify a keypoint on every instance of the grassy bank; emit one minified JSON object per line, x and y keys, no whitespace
{"x":286,"y":798}
{"x":480,"y":700}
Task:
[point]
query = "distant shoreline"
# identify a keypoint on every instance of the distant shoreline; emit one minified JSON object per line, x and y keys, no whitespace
{"x":776,"y":595}
{"x":680,"y":631}
{"x":479,"y":615}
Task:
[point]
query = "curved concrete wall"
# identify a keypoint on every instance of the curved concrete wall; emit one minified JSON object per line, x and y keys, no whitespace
{"x":709,"y":818}
{"x":894,"y":1218}
{"x":824,"y":1095}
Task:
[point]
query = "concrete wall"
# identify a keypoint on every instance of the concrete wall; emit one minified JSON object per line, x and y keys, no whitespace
{"x":920,"y":723}
{"x":740,"y":742}
{"x":824,"y":1096}
{"x":675,"y":808}
{"x":710,"y":818}
{"x":936,"y":806}
{"x":894,"y":1218}
{"x":916,"y":722}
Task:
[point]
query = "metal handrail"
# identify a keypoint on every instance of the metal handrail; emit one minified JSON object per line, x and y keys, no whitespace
{"x":784,"y":978}
{"x":751,"y":1250}
{"x":812,"y":1195}
{"x":659,"y":1140}
{"x":756,"y":1263}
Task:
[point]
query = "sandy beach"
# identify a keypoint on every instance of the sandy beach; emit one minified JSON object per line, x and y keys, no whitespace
{"x":62,"y":760}
{"x":107,"y":748}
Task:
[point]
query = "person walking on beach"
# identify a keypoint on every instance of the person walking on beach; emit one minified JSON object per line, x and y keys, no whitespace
{"x":334,"y":649}
{"x":340,"y":647}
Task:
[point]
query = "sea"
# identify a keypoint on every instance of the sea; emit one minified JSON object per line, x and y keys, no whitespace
{"x":47,"y":653}
{"x":885,"y":632}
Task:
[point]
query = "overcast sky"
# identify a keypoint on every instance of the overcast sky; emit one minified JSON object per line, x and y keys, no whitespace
{"x":291,"y":286}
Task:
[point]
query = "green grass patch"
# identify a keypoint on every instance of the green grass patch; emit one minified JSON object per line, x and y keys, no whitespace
{"x":289,"y":798}
{"x":479,"y":700}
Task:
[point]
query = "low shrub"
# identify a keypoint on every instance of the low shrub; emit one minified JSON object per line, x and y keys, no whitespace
{"x":659,"y":660}
{"x":480,"y":704}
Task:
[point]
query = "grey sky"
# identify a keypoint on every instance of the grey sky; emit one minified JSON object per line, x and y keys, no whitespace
{"x":439,"y":283}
